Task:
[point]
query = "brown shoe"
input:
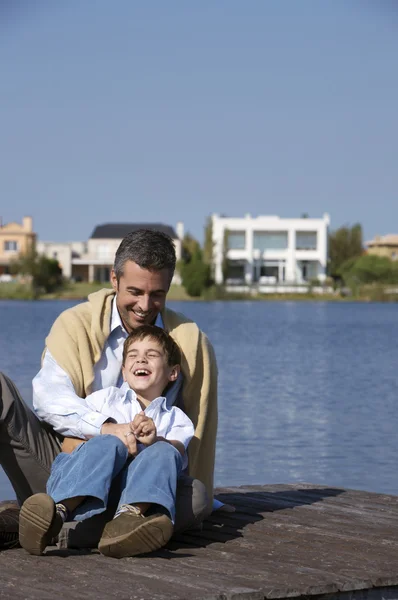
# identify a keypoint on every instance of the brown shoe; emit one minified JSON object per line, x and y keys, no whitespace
{"x":39,"y":523}
{"x":9,"y":519}
{"x":132,"y":533}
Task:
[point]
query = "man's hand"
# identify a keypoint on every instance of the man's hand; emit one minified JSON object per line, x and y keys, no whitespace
{"x":144,"y":429}
{"x":123,"y":432}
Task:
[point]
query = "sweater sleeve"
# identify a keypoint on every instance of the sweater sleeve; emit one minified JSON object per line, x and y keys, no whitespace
{"x":70,"y":345}
{"x":201,"y":406}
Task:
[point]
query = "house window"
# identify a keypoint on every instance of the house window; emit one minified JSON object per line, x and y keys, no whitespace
{"x":306,"y":240}
{"x":103,"y":252}
{"x":269,"y":240}
{"x":11,"y":246}
{"x":236,"y":240}
{"x":235,"y":271}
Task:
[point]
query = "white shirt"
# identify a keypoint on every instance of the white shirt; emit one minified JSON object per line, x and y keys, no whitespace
{"x":54,"y":397}
{"x":121,"y":404}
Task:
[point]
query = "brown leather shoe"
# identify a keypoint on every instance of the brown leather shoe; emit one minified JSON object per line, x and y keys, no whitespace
{"x":9,"y":525}
{"x":131,"y":533}
{"x":39,"y":523}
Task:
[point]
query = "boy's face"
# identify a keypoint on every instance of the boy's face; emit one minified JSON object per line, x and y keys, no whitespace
{"x":146,"y":369}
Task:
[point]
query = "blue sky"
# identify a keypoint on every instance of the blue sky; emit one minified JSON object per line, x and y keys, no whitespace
{"x":170,"y":110}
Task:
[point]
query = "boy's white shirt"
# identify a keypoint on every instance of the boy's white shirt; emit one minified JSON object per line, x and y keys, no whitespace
{"x":121,"y":405}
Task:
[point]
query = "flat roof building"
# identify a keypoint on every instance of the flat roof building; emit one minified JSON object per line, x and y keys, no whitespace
{"x":269,"y":249}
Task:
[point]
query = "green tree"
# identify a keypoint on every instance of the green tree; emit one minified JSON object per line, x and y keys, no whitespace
{"x":224,"y":263}
{"x":195,"y":273}
{"x":45,"y":273}
{"x":369,"y":268}
{"x":344,"y":243}
{"x":196,"y":276}
{"x":190,"y":247}
{"x":208,"y":246}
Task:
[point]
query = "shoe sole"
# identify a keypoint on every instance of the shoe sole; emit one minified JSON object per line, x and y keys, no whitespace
{"x":35,"y":520}
{"x":148,"y":537}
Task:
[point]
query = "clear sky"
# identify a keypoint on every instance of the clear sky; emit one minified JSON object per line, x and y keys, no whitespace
{"x":167,"y":110}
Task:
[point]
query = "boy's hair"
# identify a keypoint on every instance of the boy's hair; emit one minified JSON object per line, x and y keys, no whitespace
{"x":149,"y":249}
{"x":169,"y":346}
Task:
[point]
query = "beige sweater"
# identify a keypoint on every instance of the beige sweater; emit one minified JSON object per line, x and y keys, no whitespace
{"x":77,"y":338}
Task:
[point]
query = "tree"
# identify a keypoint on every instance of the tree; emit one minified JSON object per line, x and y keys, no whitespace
{"x":190,"y":247}
{"x":369,"y":269}
{"x":195,"y":273}
{"x":44,"y":273}
{"x":344,"y":243}
{"x":196,"y":276}
{"x":208,"y":247}
{"x":224,"y":263}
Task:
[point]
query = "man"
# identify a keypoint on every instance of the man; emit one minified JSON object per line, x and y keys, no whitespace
{"x":84,"y":353}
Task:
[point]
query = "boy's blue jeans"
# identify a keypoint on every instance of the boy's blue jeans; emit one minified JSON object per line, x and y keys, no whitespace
{"x":90,"y":470}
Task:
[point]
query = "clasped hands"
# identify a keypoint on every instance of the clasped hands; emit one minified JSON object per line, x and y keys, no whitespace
{"x":141,"y":429}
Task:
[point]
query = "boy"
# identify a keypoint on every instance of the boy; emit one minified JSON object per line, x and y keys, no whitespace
{"x":148,"y":470}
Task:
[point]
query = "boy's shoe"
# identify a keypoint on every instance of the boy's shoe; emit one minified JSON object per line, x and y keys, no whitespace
{"x":39,"y":523}
{"x":9,"y":520}
{"x":131,"y":533}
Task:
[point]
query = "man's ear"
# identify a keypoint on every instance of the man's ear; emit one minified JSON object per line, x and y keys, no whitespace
{"x":114,"y":280}
{"x":174,"y":373}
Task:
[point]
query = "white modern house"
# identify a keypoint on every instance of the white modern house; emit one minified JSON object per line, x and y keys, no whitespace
{"x":269,"y":249}
{"x":93,"y":260}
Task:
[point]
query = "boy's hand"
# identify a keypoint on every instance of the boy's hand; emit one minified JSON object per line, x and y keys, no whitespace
{"x":144,"y":429}
{"x":124,"y":432}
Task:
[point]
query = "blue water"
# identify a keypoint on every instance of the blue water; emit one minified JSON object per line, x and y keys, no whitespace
{"x":307,"y":391}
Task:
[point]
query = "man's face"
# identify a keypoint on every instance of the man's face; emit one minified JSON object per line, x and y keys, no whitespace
{"x":141,"y":294}
{"x":146,"y":369}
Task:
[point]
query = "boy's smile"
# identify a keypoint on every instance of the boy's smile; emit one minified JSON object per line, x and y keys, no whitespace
{"x":146,"y":369}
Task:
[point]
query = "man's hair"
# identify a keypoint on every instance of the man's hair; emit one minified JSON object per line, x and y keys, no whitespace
{"x":149,"y":249}
{"x":165,"y":341}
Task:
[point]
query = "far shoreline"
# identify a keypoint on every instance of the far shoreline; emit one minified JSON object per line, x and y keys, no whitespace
{"x":80,"y":291}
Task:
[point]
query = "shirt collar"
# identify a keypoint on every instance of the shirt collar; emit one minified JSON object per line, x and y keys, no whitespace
{"x":117,"y":322}
{"x":130,"y":394}
{"x":115,"y":317}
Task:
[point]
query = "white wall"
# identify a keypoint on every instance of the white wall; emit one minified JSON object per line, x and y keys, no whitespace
{"x":290,"y":255}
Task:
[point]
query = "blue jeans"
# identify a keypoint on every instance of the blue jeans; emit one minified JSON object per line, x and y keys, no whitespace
{"x":90,"y":470}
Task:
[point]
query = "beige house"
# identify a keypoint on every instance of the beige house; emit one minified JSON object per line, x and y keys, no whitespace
{"x":93,"y":260}
{"x":15,"y":239}
{"x":386,"y":245}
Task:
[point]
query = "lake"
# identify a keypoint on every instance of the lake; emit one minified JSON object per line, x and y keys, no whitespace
{"x":307,"y":390}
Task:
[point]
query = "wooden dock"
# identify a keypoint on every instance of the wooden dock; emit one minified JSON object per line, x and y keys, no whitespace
{"x":283,"y":541}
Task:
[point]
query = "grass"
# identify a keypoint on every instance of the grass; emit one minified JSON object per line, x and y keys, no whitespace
{"x":15,"y":291}
{"x":80,"y":291}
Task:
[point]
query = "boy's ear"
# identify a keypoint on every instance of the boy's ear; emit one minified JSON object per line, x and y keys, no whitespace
{"x":124,"y":373}
{"x":174,"y":373}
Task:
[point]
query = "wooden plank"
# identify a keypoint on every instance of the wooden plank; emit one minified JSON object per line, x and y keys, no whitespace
{"x":283,"y":541}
